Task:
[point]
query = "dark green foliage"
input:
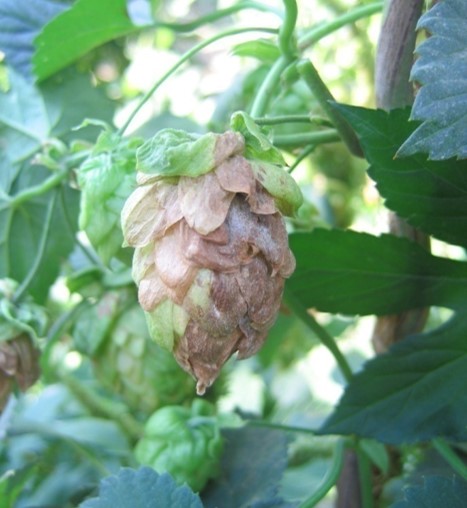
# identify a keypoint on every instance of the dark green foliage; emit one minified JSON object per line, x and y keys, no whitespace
{"x":249,"y":480}
{"x":437,"y":492}
{"x":441,"y":69}
{"x":142,"y":488}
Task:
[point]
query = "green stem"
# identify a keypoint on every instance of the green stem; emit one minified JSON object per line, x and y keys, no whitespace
{"x":450,"y":456}
{"x":103,"y":407}
{"x":40,"y":251}
{"x":365,"y":479}
{"x":326,"y":339}
{"x":322,"y":94}
{"x":266,"y":90}
{"x":288,"y":50}
{"x":306,"y":138}
{"x":38,"y":190}
{"x":184,"y":58}
{"x":287,"y":43}
{"x":330,"y":478}
{"x":281,"y":119}
{"x":303,"y":155}
{"x":213,"y":16}
{"x":317,"y":33}
{"x":279,"y":426}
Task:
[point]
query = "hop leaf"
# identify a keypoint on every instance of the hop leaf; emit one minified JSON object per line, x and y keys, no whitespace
{"x":211,"y":246}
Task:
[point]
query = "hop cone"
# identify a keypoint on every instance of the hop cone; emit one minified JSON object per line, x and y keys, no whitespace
{"x":125,"y":360}
{"x":186,"y":442}
{"x":19,"y":365}
{"x":211,"y":246}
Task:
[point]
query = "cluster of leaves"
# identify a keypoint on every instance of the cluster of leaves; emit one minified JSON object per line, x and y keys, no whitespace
{"x":106,"y":386}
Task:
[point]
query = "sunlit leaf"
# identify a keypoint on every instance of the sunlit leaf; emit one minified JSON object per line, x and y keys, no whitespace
{"x":86,"y":25}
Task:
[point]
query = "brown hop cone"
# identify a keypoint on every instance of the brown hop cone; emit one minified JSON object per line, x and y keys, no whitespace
{"x":211,"y":246}
{"x":18,"y":365}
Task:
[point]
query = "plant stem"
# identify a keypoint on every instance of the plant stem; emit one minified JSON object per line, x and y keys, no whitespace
{"x":40,"y":251}
{"x":287,"y":43}
{"x":266,"y":90}
{"x":185,"y":57}
{"x":366,"y":479}
{"x":326,"y":339}
{"x":288,"y":49}
{"x":303,"y":155}
{"x":307,"y":138}
{"x":317,"y":33}
{"x":322,"y":94}
{"x":450,"y":456}
{"x":330,"y":477}
{"x":213,"y":16}
{"x":37,"y":190}
{"x":276,"y":120}
{"x":279,"y":426}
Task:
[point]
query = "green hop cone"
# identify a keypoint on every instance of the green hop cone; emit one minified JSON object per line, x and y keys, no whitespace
{"x":211,"y":245}
{"x":113,"y":333}
{"x":184,"y":442}
{"x":106,"y":179}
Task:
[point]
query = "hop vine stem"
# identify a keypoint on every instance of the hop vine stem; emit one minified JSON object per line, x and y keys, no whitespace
{"x":184,"y":58}
{"x":330,"y":478}
{"x":326,"y":339}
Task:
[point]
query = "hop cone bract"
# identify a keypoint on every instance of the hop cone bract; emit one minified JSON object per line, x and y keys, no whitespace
{"x":211,"y":246}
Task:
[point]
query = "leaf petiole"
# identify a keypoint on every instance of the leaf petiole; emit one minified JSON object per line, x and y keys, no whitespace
{"x":330,"y":477}
{"x":214,"y":16}
{"x":326,"y":339}
{"x":322,"y":30}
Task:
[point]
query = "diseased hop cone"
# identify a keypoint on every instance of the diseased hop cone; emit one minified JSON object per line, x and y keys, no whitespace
{"x":211,"y":246}
{"x":18,"y":365}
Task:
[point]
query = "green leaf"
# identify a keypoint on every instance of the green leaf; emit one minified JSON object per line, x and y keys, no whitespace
{"x":441,"y":68}
{"x":21,"y":21}
{"x":428,"y":194}
{"x":262,"y":49}
{"x":252,"y":466}
{"x":21,"y":229}
{"x":357,"y":273}
{"x":413,"y":393}
{"x":71,"y":87}
{"x":437,"y":492}
{"x":142,"y":488}
{"x":24,"y":123}
{"x":86,"y":25}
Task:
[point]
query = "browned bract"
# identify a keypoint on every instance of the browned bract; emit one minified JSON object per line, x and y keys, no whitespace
{"x":18,"y":365}
{"x":216,"y":246}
